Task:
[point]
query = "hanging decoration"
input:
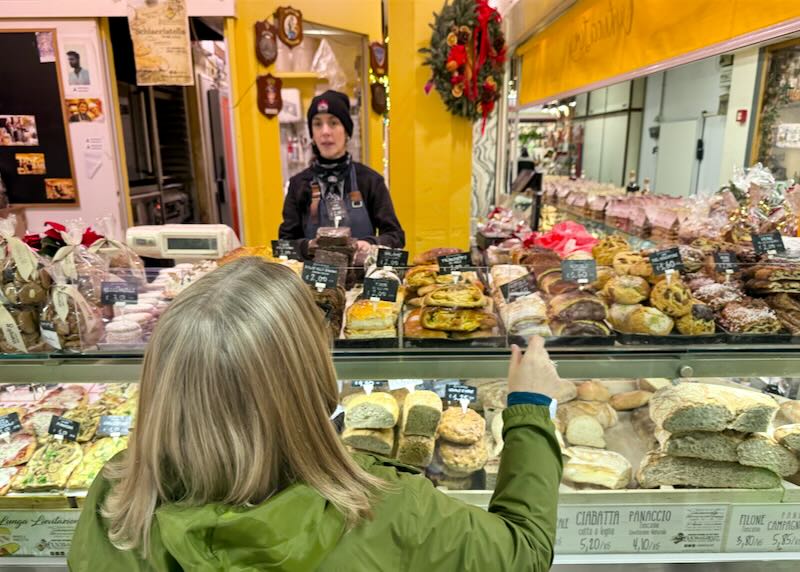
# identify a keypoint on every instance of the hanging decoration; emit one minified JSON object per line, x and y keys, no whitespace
{"x":379,"y":99}
{"x":270,"y":102}
{"x":466,"y":55}
{"x":290,"y":25}
{"x":379,"y":58}
{"x":266,"y":42}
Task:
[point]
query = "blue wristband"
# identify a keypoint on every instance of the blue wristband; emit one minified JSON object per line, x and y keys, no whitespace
{"x":528,"y":398}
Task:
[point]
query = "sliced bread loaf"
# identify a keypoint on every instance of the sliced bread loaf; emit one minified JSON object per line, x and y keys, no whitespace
{"x":789,"y":436}
{"x":585,"y":430}
{"x":658,"y":469}
{"x":595,"y":467}
{"x":704,"y":445}
{"x":763,"y":451}
{"x":422,"y":411}
{"x":380,"y":441}
{"x":374,"y":411}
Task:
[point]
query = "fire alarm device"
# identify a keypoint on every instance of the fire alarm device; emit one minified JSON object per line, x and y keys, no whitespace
{"x":741,"y":115}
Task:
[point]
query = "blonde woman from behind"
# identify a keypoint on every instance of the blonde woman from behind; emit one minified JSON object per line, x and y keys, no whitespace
{"x":234,"y":464}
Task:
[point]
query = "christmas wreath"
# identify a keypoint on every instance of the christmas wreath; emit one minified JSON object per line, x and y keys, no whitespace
{"x":467,"y":53}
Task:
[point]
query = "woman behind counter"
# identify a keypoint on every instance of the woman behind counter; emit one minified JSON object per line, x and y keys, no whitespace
{"x":336,"y":189}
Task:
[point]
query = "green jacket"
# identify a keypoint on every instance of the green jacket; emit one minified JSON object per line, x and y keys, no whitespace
{"x":415,"y":527}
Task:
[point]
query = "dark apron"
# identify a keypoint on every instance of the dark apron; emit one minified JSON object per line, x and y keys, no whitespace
{"x":351,"y":209}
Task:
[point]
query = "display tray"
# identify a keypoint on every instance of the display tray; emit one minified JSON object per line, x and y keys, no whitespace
{"x":748,"y":339}
{"x":375,"y":343}
{"x":671,"y":340}
{"x":567,"y":341}
{"x":490,"y":342}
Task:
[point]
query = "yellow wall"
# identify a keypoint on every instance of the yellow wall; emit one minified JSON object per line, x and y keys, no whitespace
{"x":430,"y":150}
{"x":258,"y":138}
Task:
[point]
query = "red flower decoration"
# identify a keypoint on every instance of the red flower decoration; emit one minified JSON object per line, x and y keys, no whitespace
{"x":33,"y":240}
{"x":457,"y":54}
{"x":90,"y":237}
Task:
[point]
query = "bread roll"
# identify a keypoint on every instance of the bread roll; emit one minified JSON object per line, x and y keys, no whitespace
{"x":415,"y":450}
{"x":763,"y":451}
{"x":595,"y":467}
{"x":600,"y":410}
{"x":630,"y":400}
{"x":375,"y":411}
{"x":791,"y":410}
{"x":380,"y":441}
{"x":710,"y":445}
{"x":422,"y":411}
{"x":585,"y":430}
{"x":653,"y":384}
{"x":789,"y":436}
{"x":658,"y":470}
{"x":648,"y":321}
{"x":703,"y":407}
{"x":627,"y":289}
{"x":463,"y":460}
{"x":593,"y":391}
{"x":462,"y":428}
{"x":618,"y":316}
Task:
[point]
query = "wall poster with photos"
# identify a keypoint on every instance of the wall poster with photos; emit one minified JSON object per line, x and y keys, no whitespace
{"x":35,"y":154}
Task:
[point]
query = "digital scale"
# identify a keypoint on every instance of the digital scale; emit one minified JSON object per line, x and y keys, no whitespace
{"x":182,"y":242}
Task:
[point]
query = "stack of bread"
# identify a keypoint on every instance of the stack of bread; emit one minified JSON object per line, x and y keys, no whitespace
{"x":461,"y":448}
{"x":716,"y":436}
{"x":416,"y":438}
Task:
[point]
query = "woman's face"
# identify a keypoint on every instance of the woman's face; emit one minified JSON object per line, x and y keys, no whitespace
{"x":329,"y":135}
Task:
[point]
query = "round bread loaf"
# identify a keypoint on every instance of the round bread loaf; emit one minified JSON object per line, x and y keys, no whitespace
{"x":699,"y":321}
{"x":649,"y":321}
{"x":462,"y":428}
{"x":627,"y":289}
{"x":672,"y":297}
{"x":463,"y":460}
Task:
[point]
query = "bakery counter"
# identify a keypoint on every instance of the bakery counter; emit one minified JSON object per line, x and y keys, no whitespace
{"x":618,"y":361}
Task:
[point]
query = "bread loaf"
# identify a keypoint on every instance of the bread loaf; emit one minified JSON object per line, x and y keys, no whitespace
{"x":789,"y":436}
{"x":374,"y":411}
{"x":422,"y":411}
{"x":462,"y":428}
{"x":463,"y":460}
{"x":630,"y":400}
{"x":595,"y":467}
{"x":658,"y":470}
{"x":593,"y":391}
{"x":415,"y":450}
{"x":763,"y":451}
{"x":585,"y":430}
{"x":601,"y":411}
{"x":708,"y":445}
{"x":701,"y":407}
{"x":653,"y":384}
{"x":791,"y":410}
{"x":380,"y":441}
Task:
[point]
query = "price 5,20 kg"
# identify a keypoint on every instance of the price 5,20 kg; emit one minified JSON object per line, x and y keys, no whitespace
{"x":595,"y":545}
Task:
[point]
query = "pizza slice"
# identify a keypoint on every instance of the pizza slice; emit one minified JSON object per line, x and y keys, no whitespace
{"x":18,"y":450}
{"x":127,"y":408}
{"x":38,"y":422}
{"x":64,"y":397}
{"x":117,"y":393}
{"x":6,"y":476}
{"x":50,"y":467}
{"x":95,"y":456}
{"x":89,"y":418}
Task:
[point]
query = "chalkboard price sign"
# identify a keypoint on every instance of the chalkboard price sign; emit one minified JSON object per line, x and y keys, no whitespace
{"x":285,"y":249}
{"x":726,"y":261}
{"x":381,"y":289}
{"x":666,"y":260}
{"x":392,"y":257}
{"x":454,"y":263}
{"x":768,"y":243}
{"x":518,"y":288}
{"x":580,"y":271}
{"x":320,"y":275}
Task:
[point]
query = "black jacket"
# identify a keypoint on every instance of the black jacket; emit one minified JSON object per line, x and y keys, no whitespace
{"x":377,"y":199}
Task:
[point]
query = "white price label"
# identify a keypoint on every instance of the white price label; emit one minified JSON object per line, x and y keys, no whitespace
{"x":764,"y":528}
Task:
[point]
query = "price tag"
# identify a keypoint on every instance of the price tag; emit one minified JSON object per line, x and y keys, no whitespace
{"x":113,"y":292}
{"x":409,"y":384}
{"x":380,"y":289}
{"x":367,"y":384}
{"x":285,"y":250}
{"x":114,"y":425}
{"x":764,"y":528}
{"x":768,"y":243}
{"x":669,"y":259}
{"x":580,"y":271}
{"x":49,"y":334}
{"x":391,"y":257}
{"x":464,"y":394}
{"x":320,"y":276}
{"x":9,"y":424}
{"x":450,"y":263}
{"x":726,"y":261}
{"x":518,"y":288}
{"x":63,"y":428}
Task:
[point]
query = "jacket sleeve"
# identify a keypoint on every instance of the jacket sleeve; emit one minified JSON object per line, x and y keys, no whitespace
{"x":292,"y":226}
{"x":518,"y":531}
{"x":384,"y":219}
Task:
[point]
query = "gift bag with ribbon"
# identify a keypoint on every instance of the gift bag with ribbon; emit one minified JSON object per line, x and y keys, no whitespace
{"x":80,"y":266}
{"x":26,"y":277}
{"x":68,"y":320}
{"x":120,"y":259}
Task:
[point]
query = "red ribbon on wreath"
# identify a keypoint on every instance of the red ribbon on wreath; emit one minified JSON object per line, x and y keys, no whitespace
{"x":485,"y":14}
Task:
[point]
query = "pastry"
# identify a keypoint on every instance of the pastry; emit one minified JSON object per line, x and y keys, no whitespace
{"x":658,"y":469}
{"x":456,"y":320}
{"x":693,"y":258}
{"x":717,"y":296}
{"x":594,"y":467}
{"x":627,"y":289}
{"x":50,"y":467}
{"x":577,"y":305}
{"x":374,"y":411}
{"x":789,"y":436}
{"x":333,"y":236}
{"x":704,"y":407}
{"x":618,"y":315}
{"x":464,"y":428}
{"x":432,"y":256}
{"x":593,"y":391}
{"x":463,"y":460}
{"x":672,"y":297}
{"x":420,"y":276}
{"x":456,"y":296}
{"x":413,"y":329}
{"x":699,"y":321}
{"x":379,"y":441}
{"x":502,"y":274}
{"x":749,"y":317}
{"x":367,"y":319}
{"x":605,"y":250}
{"x":415,"y":450}
{"x":579,"y":328}
{"x":123,"y":332}
{"x":18,"y":450}
{"x":524,"y":314}
{"x":632,"y":264}
{"x":604,"y":274}
{"x":95,"y":456}
{"x":648,"y":321}
{"x":630,"y":400}
{"x":331,"y":302}
{"x":422,"y":411}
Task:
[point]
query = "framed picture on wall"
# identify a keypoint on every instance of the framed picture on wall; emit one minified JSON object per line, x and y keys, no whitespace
{"x":36,"y":159}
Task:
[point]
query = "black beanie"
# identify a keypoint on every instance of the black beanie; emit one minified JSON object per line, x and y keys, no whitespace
{"x":335,"y":103}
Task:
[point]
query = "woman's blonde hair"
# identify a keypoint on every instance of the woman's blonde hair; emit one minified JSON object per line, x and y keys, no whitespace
{"x":235,"y":398}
